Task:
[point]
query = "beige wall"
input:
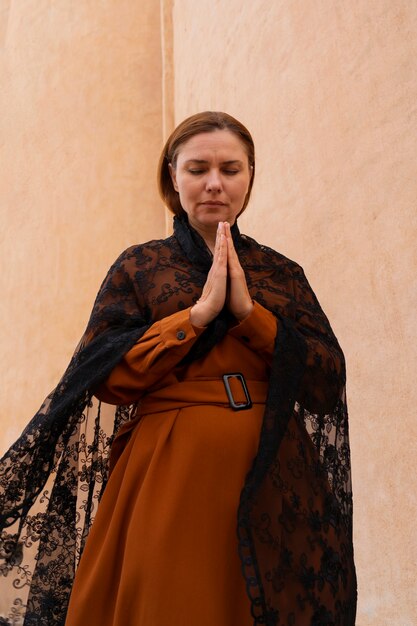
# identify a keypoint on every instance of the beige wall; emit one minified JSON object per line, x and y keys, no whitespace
{"x":328,"y":89}
{"x":81,"y":130}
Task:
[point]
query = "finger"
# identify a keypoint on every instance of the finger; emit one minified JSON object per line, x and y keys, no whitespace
{"x":227,"y":231}
{"x":222,"y":255}
{"x":230,"y":242}
{"x":220,"y":252}
{"x":216,"y":278}
{"x":232,"y":257}
{"x":218,"y":242}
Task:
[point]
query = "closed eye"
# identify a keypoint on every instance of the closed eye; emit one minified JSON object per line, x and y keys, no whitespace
{"x":197,"y":171}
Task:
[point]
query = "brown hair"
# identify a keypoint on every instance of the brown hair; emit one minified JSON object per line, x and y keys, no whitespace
{"x":205,"y":122}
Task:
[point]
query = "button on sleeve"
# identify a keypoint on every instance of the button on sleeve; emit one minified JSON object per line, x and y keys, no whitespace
{"x":178,"y":332}
{"x":156,"y":353}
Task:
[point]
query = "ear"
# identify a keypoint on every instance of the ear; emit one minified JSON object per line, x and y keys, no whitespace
{"x":250,"y":175}
{"x":173,"y":175}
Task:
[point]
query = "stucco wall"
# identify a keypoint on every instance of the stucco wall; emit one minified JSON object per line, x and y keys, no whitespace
{"x":81,"y":131}
{"x":329,"y":90}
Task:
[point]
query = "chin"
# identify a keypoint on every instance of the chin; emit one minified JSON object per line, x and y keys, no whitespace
{"x":212,"y":219}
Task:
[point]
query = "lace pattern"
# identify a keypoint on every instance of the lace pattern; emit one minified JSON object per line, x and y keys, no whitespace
{"x":294,"y":521}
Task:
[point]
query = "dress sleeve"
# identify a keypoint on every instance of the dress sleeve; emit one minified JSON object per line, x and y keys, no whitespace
{"x":258,"y":331}
{"x":160,"y":349}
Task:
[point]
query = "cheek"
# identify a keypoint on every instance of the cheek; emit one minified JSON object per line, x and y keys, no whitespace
{"x":243,"y":188}
{"x":189,"y":188}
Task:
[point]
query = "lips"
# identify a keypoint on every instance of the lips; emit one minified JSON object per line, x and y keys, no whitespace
{"x":213,"y":203}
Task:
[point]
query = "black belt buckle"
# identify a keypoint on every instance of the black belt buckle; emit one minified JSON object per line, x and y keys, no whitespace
{"x":237,"y":406}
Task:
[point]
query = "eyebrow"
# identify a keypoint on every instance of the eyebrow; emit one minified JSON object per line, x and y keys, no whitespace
{"x":205,"y":162}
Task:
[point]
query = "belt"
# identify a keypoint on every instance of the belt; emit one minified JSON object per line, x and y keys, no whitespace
{"x":237,"y":405}
{"x":232,"y":390}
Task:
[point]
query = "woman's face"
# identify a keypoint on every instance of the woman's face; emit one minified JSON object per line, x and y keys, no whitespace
{"x":212,"y":177}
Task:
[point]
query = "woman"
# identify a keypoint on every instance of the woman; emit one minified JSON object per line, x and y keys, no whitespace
{"x":237,"y":420}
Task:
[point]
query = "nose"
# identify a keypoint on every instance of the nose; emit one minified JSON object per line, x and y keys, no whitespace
{"x":213,"y":182}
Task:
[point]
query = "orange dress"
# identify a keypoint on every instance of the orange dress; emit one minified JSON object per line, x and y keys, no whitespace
{"x":163,"y":547}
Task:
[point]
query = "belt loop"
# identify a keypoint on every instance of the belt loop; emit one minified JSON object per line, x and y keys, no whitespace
{"x":237,"y":406}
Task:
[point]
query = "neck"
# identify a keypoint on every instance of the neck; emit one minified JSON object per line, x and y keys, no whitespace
{"x":209,"y":240}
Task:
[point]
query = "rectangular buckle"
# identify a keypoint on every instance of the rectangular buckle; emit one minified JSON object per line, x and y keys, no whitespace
{"x":237,"y":406}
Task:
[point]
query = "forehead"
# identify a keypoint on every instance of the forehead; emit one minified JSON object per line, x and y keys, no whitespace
{"x":222,"y":144}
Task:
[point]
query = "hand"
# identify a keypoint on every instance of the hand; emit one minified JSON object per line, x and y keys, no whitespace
{"x":239,"y":301}
{"x":213,"y":296}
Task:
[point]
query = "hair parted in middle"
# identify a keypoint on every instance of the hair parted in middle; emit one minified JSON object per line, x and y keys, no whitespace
{"x":205,"y":122}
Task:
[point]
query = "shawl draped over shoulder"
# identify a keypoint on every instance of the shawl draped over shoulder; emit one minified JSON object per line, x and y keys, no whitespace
{"x":52,"y":478}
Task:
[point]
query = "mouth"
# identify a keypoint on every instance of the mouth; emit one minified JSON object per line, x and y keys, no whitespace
{"x":213,"y":203}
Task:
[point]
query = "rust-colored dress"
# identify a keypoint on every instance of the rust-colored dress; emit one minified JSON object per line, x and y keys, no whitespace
{"x":163,"y":547}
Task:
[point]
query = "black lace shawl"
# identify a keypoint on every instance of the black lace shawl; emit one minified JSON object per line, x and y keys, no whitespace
{"x":299,"y":485}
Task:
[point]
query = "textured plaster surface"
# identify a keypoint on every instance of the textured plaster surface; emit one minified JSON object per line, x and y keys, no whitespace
{"x":329,"y":90}
{"x":80,"y":136}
